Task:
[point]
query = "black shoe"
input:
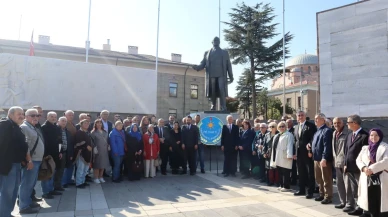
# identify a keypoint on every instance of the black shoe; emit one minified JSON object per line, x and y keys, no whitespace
{"x":326,"y":201}
{"x":183,"y":172}
{"x":164,"y":173}
{"x":59,"y":189}
{"x":65,"y":186}
{"x":35,"y":199}
{"x":80,"y":186}
{"x":320,"y":198}
{"x":192,"y":173}
{"x":28,"y":210}
{"x":34,"y":205}
{"x":202,"y":170}
{"x":116,"y":181}
{"x":55,"y":193}
{"x":348,"y":209}
{"x":340,"y":206}
{"x":48,"y":196}
{"x":233,"y":175}
{"x":174,"y":172}
{"x":226,"y":175}
{"x":245,"y":177}
{"x":71,"y":183}
{"x":223,"y":173}
{"x":86,"y":184}
{"x":309,"y":196}
{"x":356,"y":212}
{"x":299,"y":193}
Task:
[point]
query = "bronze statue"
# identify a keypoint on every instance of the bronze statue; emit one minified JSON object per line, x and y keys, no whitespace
{"x":218,"y":69}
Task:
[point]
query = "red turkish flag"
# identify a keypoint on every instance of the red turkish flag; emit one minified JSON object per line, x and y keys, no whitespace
{"x":32,"y":53}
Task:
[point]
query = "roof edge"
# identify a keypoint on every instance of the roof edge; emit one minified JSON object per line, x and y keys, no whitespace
{"x":343,"y":6}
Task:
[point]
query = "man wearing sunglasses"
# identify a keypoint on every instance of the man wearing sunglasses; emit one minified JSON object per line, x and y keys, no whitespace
{"x":304,"y":134}
{"x":34,"y":138}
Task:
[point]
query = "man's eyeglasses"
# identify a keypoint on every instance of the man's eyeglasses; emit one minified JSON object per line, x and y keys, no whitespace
{"x":35,"y":116}
{"x":271,"y":127}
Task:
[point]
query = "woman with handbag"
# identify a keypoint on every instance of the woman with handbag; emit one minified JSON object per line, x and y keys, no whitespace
{"x":117,"y":144}
{"x":151,"y":151}
{"x":100,"y":151}
{"x":134,"y":153}
{"x":373,"y":184}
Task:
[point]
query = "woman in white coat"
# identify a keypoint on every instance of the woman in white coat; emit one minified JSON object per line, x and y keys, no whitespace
{"x":282,"y":156}
{"x":373,"y":184}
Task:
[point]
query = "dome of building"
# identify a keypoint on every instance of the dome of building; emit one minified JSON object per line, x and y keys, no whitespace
{"x":296,"y":69}
{"x":303,"y":59}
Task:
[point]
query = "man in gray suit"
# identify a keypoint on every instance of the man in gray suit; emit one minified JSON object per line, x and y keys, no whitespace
{"x":339,"y":139}
{"x":218,"y":68}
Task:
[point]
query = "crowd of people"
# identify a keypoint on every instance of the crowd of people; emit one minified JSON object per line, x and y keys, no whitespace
{"x":277,"y":153}
{"x":309,"y":154}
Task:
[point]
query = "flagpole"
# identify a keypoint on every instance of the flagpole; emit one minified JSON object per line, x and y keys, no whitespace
{"x":87,"y":40}
{"x":284,"y":64}
{"x":157,"y":40}
{"x":219,"y":19}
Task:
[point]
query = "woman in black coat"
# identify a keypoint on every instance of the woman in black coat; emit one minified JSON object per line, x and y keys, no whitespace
{"x":134,"y":152}
{"x":176,"y":158}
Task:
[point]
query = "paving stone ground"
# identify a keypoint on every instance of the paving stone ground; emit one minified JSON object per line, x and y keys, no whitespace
{"x":182,"y":195}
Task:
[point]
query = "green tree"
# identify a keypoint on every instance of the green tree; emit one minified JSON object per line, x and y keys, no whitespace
{"x":232,"y":104}
{"x":244,"y":91}
{"x":249,"y":33}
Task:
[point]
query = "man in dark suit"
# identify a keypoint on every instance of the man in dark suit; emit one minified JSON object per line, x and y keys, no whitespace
{"x":294,"y":174}
{"x":323,"y":159}
{"x":304,"y":133}
{"x":229,"y":145}
{"x":165,"y":145}
{"x":190,"y":145}
{"x":353,"y":145}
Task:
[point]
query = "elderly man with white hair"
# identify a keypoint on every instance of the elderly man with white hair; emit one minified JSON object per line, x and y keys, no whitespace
{"x":35,"y":141}
{"x":53,"y":140}
{"x":13,"y":150}
{"x":230,"y":137}
{"x":67,"y":151}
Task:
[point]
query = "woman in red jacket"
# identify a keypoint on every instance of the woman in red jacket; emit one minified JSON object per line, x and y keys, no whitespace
{"x":151,"y":151}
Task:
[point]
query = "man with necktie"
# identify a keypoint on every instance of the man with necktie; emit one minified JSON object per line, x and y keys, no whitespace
{"x":353,"y":145}
{"x":189,"y":145}
{"x":229,"y":145}
{"x":165,"y":146}
{"x":304,"y":134}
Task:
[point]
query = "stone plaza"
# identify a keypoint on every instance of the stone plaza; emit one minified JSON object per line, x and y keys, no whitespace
{"x":182,"y":195}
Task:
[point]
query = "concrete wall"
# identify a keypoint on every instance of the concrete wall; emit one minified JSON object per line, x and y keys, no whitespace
{"x":61,"y":84}
{"x":353,"y":58}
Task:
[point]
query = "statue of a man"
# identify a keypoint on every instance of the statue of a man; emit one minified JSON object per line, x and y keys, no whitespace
{"x":218,"y":69}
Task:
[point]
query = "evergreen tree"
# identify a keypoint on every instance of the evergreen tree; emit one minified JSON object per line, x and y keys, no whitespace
{"x":250,"y":30}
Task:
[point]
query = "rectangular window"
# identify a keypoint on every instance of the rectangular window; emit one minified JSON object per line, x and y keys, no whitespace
{"x":173,"y":89}
{"x":299,"y":102}
{"x":194,"y":91}
{"x":172,"y":112}
{"x":289,"y":101}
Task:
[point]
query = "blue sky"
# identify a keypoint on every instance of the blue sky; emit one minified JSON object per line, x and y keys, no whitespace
{"x":186,"y":26}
